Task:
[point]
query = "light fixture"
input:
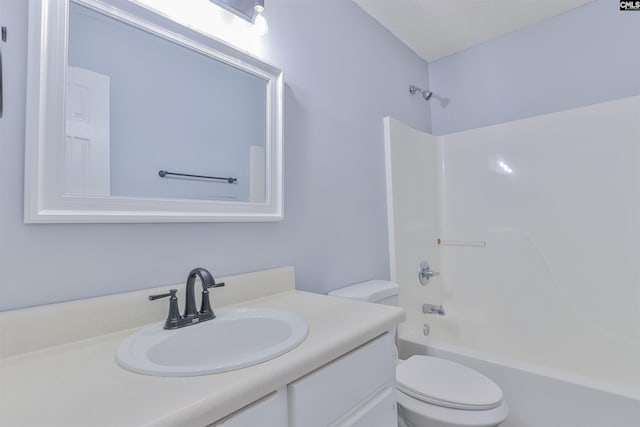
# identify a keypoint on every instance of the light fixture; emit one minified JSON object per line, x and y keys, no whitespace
{"x":260,"y":26}
{"x":245,"y":9}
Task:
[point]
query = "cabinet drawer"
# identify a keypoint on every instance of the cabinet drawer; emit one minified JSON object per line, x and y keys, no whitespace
{"x":329,"y":393}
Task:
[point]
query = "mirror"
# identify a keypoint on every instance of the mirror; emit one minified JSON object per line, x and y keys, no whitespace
{"x":135,"y":118}
{"x":132,"y":111}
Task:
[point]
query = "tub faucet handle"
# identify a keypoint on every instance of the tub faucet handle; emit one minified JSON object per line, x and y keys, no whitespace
{"x":425,"y":273}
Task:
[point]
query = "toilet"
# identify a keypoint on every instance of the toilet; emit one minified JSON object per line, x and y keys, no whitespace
{"x":434,"y":392}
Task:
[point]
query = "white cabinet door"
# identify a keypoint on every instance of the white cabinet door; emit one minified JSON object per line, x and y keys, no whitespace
{"x":270,"y":411}
{"x":379,"y":411}
{"x":330,"y":393}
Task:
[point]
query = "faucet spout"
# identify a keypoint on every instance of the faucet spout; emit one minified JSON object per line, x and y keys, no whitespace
{"x":207,"y":281}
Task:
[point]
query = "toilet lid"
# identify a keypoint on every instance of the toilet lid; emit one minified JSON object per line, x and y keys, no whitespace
{"x":445,"y":383}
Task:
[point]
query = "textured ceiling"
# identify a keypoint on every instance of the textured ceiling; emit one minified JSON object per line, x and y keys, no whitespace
{"x":437,"y":28}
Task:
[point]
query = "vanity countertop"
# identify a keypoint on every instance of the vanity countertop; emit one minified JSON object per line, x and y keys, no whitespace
{"x":80,"y":383}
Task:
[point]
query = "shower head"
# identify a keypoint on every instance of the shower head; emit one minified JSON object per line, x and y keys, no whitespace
{"x":426,"y":94}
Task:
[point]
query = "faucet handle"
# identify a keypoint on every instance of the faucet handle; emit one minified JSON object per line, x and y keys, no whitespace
{"x":205,"y":306}
{"x":213,"y":285}
{"x":425,"y":273}
{"x":172,"y":294}
{"x":173,"y":318}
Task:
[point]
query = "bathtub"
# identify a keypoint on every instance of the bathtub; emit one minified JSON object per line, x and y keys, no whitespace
{"x":537,"y":396}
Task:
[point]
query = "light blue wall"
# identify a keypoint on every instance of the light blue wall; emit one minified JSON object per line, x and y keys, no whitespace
{"x":344,"y":72}
{"x":582,"y":57}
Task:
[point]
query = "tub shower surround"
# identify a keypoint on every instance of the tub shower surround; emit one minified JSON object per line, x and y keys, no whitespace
{"x":552,"y":290}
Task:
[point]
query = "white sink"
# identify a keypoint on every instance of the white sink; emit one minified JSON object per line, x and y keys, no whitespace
{"x":235,"y":339}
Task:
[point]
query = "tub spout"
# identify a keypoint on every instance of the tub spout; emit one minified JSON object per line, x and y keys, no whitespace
{"x":433,"y":309}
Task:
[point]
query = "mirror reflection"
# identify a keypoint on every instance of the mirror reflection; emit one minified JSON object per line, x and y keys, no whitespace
{"x":138,"y":104}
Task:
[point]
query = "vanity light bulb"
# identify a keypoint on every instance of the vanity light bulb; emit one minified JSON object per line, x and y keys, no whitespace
{"x":259,"y":8}
{"x":260,"y":27}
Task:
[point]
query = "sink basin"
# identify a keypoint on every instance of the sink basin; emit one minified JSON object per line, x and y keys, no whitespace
{"x":236,"y":338}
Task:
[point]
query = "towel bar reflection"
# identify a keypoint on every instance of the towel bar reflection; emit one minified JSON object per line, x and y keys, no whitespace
{"x":230,"y":180}
{"x":472,"y":243}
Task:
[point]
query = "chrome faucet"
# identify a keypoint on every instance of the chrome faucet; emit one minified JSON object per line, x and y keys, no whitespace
{"x":191,"y":315}
{"x":425,"y":273}
{"x":433,"y":309}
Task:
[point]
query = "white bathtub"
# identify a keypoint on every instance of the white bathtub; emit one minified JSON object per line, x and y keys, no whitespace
{"x":538,"y":397}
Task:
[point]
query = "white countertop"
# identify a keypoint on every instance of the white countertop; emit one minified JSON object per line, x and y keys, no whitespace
{"x":80,"y":383}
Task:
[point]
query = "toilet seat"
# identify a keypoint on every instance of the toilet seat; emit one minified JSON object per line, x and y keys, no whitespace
{"x":419,"y":413}
{"x":447,"y":384}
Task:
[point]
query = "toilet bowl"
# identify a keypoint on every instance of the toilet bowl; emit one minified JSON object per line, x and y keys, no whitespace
{"x":434,"y":392}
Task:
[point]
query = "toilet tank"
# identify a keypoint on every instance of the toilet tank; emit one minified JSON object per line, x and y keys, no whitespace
{"x":378,"y":291}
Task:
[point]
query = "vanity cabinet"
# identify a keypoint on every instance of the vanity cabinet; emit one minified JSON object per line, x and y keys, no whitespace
{"x":379,"y":411}
{"x":270,"y":411}
{"x":341,"y":375}
{"x":353,"y":390}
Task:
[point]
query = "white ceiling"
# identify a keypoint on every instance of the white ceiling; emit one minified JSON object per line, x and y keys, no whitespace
{"x":437,"y":28}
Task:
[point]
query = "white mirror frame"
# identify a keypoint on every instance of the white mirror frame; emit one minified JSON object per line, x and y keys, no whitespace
{"x":45,"y":201}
